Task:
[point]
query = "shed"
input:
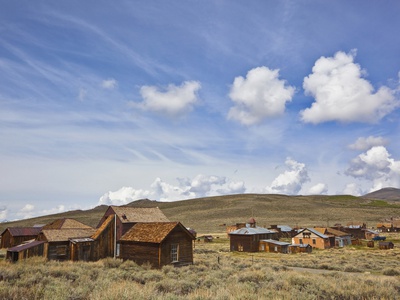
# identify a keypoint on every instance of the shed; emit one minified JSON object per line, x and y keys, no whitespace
{"x":28,"y":249}
{"x":128,"y":216}
{"x":273,"y":246}
{"x":158,"y":243}
{"x":205,"y":238}
{"x":386,"y":245}
{"x":247,"y":239}
{"x":300,"y":248}
{"x":13,"y":236}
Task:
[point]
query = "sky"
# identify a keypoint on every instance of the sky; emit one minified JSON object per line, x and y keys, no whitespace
{"x":107,"y":102}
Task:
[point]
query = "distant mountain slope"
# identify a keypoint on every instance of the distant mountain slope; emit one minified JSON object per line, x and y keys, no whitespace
{"x":392,"y":194}
{"x":212,"y":214}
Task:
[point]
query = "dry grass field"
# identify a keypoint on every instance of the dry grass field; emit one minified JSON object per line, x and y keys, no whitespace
{"x":347,"y":273}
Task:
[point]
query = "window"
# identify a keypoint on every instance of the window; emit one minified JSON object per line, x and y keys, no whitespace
{"x":240,"y":247}
{"x":61,"y":251}
{"x":174,"y":252}
{"x":314,"y":241}
{"x":117,"y":251}
{"x":262,"y":247}
{"x":301,"y":241}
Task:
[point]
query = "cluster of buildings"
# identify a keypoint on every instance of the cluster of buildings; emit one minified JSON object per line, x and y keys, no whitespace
{"x":144,"y":235}
{"x":248,"y":237}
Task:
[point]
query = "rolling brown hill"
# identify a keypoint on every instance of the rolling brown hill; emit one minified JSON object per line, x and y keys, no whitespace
{"x":389,"y":193}
{"x":208,"y":215}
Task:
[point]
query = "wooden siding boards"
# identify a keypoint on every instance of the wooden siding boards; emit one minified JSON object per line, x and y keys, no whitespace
{"x":128,"y":216}
{"x":14,"y":236}
{"x":103,"y":244}
{"x":273,"y":246}
{"x":29,"y":249}
{"x":152,"y":243}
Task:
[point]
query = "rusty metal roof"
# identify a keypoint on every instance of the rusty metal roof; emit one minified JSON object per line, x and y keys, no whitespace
{"x":129,"y":214}
{"x":275,"y":242}
{"x":23,"y":231}
{"x":154,"y":232}
{"x":25,"y":246}
{"x":66,"y":223}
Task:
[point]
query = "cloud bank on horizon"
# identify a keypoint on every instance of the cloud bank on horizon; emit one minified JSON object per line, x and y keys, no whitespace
{"x":159,"y":102}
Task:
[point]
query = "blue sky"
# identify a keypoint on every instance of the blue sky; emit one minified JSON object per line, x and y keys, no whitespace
{"x":107,"y":102}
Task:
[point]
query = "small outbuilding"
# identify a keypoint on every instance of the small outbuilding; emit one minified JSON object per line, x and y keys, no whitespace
{"x":13,"y":236}
{"x":247,"y":239}
{"x":25,"y":250}
{"x":273,"y":246}
{"x":157,"y":243}
{"x":300,"y":248}
{"x":386,"y":245}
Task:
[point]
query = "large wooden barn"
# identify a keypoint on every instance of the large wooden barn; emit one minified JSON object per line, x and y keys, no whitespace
{"x":127,"y":216}
{"x":157,"y":243}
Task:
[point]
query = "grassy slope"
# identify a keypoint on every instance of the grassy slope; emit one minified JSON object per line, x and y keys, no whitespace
{"x":206,"y":215}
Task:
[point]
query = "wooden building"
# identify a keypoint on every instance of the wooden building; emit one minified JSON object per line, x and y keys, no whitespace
{"x":247,"y":239}
{"x":157,"y":243}
{"x":128,"y":216}
{"x":104,"y":239}
{"x":273,"y":246}
{"x":386,"y":245}
{"x":300,"y":248}
{"x":337,"y":238}
{"x":13,"y":236}
{"x":57,"y":246}
{"x":66,"y":223}
{"x":25,"y":250}
{"x":313,"y":237}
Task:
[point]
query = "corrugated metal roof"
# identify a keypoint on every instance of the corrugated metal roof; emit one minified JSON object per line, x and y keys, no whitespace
{"x":23,"y":231}
{"x":81,"y":240}
{"x":25,"y":246}
{"x":251,"y":230}
{"x":285,"y":228}
{"x":316,"y":232}
{"x":63,"y":235}
{"x":154,"y":232}
{"x":66,"y":223}
{"x":276,"y":242}
{"x":129,"y":214}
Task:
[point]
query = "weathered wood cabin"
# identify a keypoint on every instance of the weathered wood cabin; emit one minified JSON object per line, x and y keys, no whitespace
{"x":104,"y":239}
{"x":300,"y":248}
{"x":386,"y":245}
{"x":128,"y":216}
{"x":25,"y":250}
{"x":61,"y":237}
{"x":13,"y":236}
{"x":273,"y":246}
{"x":247,"y":239}
{"x":157,"y":243}
{"x":313,"y":237}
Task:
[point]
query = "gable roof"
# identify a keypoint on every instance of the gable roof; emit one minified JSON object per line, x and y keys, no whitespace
{"x":129,"y":214}
{"x":23,"y":231}
{"x":154,"y":232}
{"x":103,"y":226}
{"x":316,"y":232}
{"x":66,"y":223}
{"x":63,"y":235}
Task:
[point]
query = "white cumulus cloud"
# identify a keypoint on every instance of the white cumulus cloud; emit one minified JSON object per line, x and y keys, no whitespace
{"x":290,"y":181}
{"x":123,"y":196}
{"x":258,"y":96}
{"x":318,"y":189}
{"x":377,"y":166}
{"x":342,"y":94}
{"x":187,"y":188}
{"x":352,"y":189}
{"x":173,"y":101}
{"x":363,"y":143}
